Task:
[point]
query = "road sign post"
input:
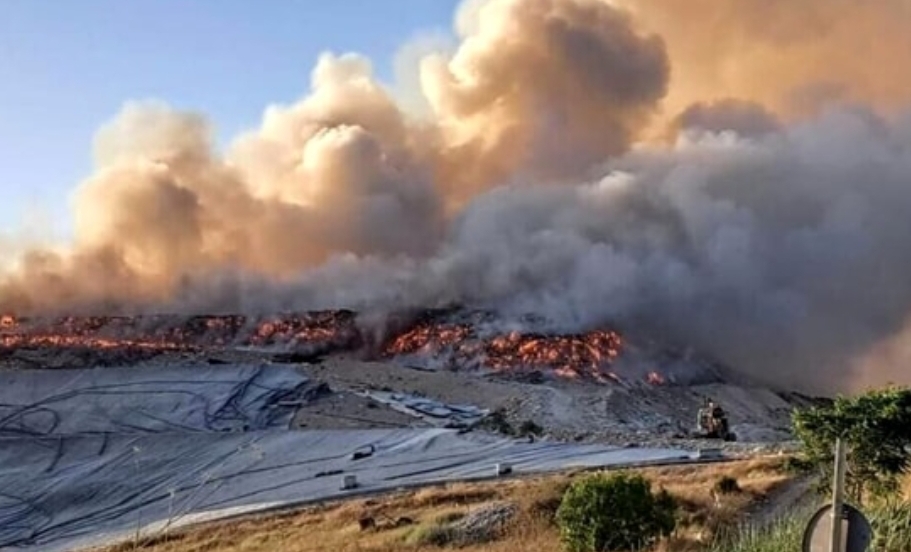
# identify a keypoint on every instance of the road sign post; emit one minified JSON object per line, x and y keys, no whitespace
{"x":838,"y":496}
{"x":838,"y":526}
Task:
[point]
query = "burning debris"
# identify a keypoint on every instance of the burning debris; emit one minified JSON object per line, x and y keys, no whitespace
{"x":430,"y":338}
{"x":451,"y":339}
{"x":310,"y":333}
{"x":588,"y":356}
{"x":570,"y":356}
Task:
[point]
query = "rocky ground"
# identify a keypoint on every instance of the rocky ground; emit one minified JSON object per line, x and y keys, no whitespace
{"x":646,"y":415}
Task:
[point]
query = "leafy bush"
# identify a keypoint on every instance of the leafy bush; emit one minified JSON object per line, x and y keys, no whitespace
{"x":430,"y":535}
{"x":876,"y":428}
{"x":614,"y":513}
{"x":797,"y":465}
{"x":726,"y":485}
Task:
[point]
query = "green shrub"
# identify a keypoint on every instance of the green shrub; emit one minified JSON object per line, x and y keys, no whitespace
{"x":614,"y":513}
{"x":726,"y":485}
{"x":875,"y":426}
{"x":433,"y":534}
{"x":798,"y":465}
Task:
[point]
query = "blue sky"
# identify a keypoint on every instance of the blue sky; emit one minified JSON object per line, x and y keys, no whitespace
{"x":66,"y":67}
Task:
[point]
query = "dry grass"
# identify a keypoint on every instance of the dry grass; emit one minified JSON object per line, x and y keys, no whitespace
{"x":906,"y":486}
{"x":336,"y":527}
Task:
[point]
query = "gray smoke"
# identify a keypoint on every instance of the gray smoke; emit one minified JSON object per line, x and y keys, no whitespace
{"x":779,"y":244}
{"x":785,"y":255}
{"x":746,"y":118}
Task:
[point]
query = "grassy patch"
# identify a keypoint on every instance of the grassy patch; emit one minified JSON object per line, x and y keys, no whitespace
{"x":891,"y":524}
{"x":433,"y":534}
{"x":783,"y":534}
{"x":434,"y":510}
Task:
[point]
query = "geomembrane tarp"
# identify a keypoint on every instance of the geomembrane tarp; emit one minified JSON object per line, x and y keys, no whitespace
{"x":436,"y":413}
{"x":130,"y":400}
{"x":65,"y":485}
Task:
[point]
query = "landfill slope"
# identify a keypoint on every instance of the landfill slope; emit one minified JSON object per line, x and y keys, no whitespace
{"x":93,"y":457}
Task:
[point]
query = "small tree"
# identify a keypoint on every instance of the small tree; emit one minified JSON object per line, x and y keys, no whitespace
{"x":614,"y":513}
{"x":875,"y":426}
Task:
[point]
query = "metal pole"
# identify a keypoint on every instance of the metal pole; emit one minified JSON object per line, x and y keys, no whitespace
{"x":838,"y":492}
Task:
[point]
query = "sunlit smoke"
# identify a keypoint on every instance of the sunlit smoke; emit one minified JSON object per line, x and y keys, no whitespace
{"x":793,"y":57}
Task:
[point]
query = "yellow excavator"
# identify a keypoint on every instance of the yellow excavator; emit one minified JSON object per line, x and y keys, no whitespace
{"x":712,"y":422}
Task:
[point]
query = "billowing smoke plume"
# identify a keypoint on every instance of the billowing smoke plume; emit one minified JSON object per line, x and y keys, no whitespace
{"x":770,"y":232}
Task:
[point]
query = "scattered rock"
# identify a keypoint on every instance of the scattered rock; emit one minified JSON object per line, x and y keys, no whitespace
{"x":482,"y":525}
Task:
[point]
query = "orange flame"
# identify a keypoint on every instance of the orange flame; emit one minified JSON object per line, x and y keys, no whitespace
{"x":582,"y":356}
{"x":568,"y":356}
{"x":169,"y":334}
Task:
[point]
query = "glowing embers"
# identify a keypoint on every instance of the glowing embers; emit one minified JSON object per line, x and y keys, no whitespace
{"x":92,"y":332}
{"x":71,"y":341}
{"x":585,"y":355}
{"x":588,"y":355}
{"x":173,"y":333}
{"x":430,"y":338}
{"x":330,"y":328}
{"x":453,"y":340}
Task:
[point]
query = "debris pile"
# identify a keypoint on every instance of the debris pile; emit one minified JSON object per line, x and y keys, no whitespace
{"x":457,"y":345}
{"x":523,"y":350}
{"x":150,"y":335}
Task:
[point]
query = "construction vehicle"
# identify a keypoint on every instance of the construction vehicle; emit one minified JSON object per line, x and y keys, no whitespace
{"x":712,"y":422}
